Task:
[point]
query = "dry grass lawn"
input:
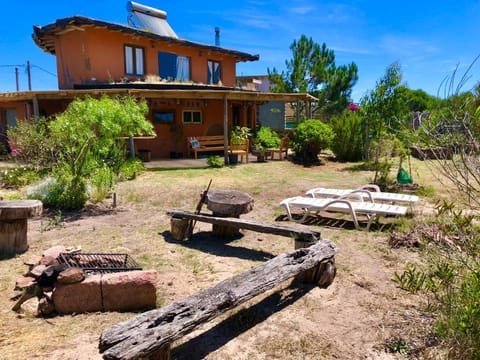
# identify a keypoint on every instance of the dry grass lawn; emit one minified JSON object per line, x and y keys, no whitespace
{"x":354,"y":318}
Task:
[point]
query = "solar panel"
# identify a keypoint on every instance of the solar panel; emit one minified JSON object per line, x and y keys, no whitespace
{"x":148,"y":18}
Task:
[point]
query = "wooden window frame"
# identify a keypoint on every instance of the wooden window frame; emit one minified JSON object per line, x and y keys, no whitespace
{"x":211,"y":81}
{"x":191,"y":112}
{"x":134,"y":49}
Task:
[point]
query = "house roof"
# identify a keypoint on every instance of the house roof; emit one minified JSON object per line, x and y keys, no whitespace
{"x":235,"y":95}
{"x":44,"y":36}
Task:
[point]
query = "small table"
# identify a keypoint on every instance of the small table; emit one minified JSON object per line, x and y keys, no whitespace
{"x":228,"y":203}
{"x":13,"y":224}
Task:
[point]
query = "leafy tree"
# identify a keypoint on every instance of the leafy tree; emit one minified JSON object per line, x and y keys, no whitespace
{"x":384,"y":107}
{"x":312,"y":70}
{"x":81,"y":143}
{"x":417,"y":100}
{"x":90,"y":131}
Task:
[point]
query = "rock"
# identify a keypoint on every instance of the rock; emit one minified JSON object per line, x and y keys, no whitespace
{"x":32,"y":260}
{"x":30,"y":307}
{"x":46,"y":306}
{"x":24,"y":282}
{"x":37,"y":271}
{"x":46,"y":260}
{"x":55,"y":251}
{"x":71,"y":275}
{"x":85,"y":296}
{"x":129,"y":290}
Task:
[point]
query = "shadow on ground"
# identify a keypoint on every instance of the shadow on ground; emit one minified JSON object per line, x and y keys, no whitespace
{"x":214,"y":338}
{"x":337,"y":223}
{"x":209,"y":243}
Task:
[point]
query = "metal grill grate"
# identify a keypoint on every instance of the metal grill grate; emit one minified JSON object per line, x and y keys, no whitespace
{"x":99,"y":263}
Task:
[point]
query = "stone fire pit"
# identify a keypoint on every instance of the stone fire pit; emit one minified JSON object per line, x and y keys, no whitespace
{"x":65,"y":281}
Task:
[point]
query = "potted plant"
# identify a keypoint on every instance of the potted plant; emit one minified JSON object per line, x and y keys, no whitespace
{"x":238,"y":136}
{"x":265,"y":138}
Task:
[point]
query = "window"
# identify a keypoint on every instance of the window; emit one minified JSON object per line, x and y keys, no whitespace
{"x":192,"y":117}
{"x":163,"y":117}
{"x":214,"y":72}
{"x":134,"y":60}
{"x":173,"y":67}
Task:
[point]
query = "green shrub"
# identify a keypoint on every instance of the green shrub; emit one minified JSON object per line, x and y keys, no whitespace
{"x":215,"y":161}
{"x":61,"y":192}
{"x":266,"y":138}
{"x":348,"y":143}
{"x":102,"y":181}
{"x":36,"y":145}
{"x":450,"y":280}
{"x":309,"y":139}
{"x":18,"y":177}
{"x":130,"y":169}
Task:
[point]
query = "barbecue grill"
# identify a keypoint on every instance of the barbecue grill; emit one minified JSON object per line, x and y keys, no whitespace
{"x":96,"y":263}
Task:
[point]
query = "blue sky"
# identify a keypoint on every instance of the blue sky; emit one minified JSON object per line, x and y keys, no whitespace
{"x":428,"y":38}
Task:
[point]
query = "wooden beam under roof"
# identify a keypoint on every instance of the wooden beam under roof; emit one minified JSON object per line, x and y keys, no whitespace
{"x":159,"y":94}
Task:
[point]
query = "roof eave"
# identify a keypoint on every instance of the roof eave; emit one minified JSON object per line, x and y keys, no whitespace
{"x":42,"y":33}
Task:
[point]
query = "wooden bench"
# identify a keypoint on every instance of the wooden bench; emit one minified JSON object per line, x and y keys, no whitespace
{"x":207,"y":143}
{"x":212,"y":143}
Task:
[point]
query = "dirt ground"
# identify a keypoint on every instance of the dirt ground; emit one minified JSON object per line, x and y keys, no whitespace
{"x":355,"y":318}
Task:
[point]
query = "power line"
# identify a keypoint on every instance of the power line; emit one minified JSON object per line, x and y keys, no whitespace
{"x":44,"y":70}
{"x":28,"y":66}
{"x":32,"y":66}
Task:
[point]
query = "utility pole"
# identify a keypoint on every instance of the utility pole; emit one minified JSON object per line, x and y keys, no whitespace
{"x":16,"y":78}
{"x":29,"y":76}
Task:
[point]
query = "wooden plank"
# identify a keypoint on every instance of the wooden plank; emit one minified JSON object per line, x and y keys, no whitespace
{"x":305,"y":234}
{"x":147,"y":333}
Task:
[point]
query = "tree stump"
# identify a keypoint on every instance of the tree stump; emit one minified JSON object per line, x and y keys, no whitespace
{"x":228,"y":203}
{"x":13,"y":224}
{"x":178,"y":228}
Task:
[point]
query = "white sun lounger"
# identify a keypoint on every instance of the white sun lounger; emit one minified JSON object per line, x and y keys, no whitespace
{"x":372,"y":210}
{"x":368,"y":192}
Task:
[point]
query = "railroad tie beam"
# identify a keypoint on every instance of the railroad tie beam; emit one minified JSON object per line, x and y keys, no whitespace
{"x":150,"y":335}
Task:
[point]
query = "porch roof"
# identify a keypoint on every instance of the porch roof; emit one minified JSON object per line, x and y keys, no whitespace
{"x":236,"y":95}
{"x":44,"y":36}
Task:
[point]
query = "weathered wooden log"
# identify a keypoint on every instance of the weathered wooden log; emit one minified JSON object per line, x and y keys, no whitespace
{"x":145,"y":334}
{"x":301,"y":234}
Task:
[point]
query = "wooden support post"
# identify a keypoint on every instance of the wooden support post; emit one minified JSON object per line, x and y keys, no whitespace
{"x":147,"y":333}
{"x":224,"y":230}
{"x":178,"y":228}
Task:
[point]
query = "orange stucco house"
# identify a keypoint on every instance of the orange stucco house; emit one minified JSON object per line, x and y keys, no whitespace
{"x":190,"y":87}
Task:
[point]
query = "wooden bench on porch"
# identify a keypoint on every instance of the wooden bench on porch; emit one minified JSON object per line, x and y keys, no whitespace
{"x":206,"y":143}
{"x":215,"y":143}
